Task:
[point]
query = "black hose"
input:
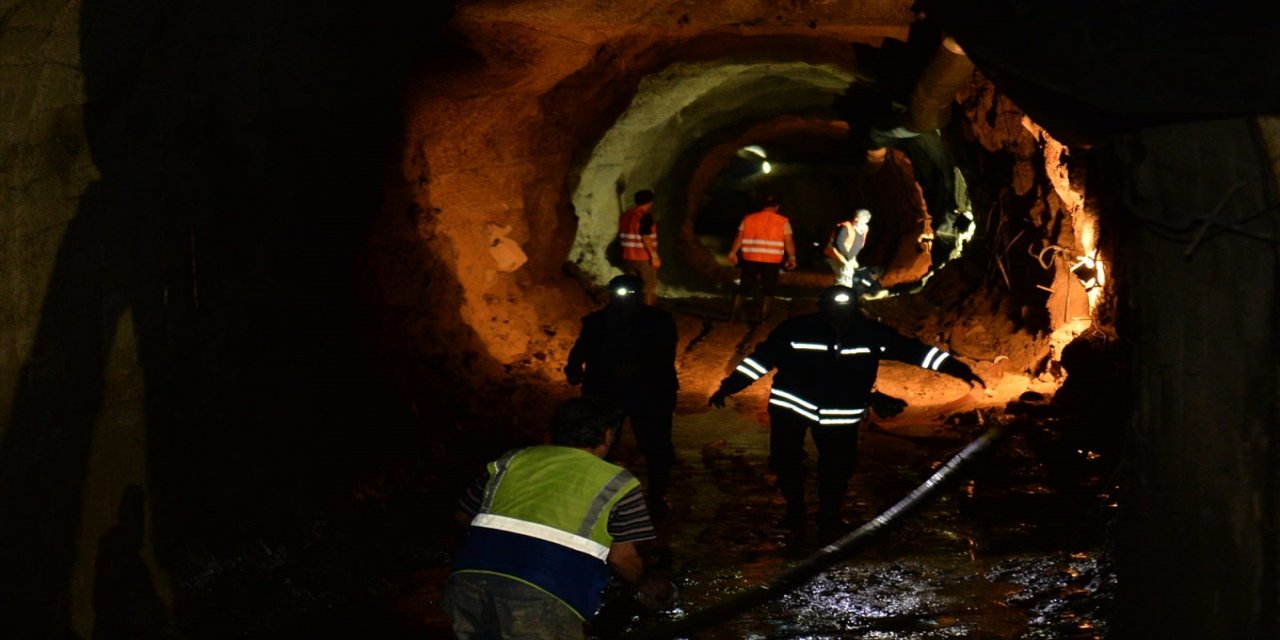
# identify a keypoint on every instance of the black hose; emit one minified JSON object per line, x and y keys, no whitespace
{"x":828,"y":555}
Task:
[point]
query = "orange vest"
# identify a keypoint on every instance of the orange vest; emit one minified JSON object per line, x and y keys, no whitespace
{"x":629,"y":235}
{"x":762,"y":234}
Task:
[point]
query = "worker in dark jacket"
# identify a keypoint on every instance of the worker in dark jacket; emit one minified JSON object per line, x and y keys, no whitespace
{"x":627,"y":352}
{"x":827,"y":364}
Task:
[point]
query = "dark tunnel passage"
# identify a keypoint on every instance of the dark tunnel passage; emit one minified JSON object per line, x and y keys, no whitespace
{"x":279,"y":278}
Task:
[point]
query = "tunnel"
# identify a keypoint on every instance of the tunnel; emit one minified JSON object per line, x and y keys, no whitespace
{"x":281,"y":277}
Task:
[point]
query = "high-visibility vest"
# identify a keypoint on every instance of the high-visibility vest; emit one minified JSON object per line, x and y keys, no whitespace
{"x":762,"y":237}
{"x":854,"y":240}
{"x":543,"y":521}
{"x":629,"y":234}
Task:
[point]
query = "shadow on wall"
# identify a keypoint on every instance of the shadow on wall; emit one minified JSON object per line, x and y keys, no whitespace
{"x":207,"y":288}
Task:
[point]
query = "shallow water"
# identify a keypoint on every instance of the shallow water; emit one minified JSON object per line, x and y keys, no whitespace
{"x":1012,"y":551}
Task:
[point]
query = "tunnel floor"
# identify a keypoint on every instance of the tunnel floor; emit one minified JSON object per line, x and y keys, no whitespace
{"x":1015,"y":549}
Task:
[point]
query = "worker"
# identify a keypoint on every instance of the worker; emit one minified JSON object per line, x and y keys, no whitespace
{"x":762,"y":246}
{"x":847,"y":241}
{"x":546,"y":524}
{"x":626,"y":352}
{"x":827,"y":364}
{"x":638,"y":235}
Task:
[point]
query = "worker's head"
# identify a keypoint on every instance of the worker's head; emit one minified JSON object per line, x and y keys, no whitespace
{"x":585,"y":421}
{"x":643,"y":197}
{"x":626,"y":291}
{"x":861,"y":215}
{"x":838,"y":303}
{"x":770,"y":203}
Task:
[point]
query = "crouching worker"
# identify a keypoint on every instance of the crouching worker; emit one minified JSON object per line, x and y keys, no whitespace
{"x":546,"y":524}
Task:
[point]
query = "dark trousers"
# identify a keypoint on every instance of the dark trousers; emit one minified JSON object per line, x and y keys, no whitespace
{"x":761,"y":275}
{"x":650,"y":417}
{"x":837,"y":455}
{"x":648,"y":275}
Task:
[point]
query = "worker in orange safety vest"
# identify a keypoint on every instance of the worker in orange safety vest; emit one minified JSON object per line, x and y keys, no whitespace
{"x":762,"y":248}
{"x":638,"y":235}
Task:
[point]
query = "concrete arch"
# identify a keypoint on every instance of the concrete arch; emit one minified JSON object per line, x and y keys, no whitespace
{"x":684,"y":107}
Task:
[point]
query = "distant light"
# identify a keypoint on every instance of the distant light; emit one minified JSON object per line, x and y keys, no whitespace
{"x":765,"y":167}
{"x":756,"y":149}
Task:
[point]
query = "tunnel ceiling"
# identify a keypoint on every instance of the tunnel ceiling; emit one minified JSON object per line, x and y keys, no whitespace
{"x":526,"y":148}
{"x":692,"y":14}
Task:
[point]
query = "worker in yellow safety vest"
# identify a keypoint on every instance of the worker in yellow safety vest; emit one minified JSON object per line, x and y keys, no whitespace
{"x":545,"y":526}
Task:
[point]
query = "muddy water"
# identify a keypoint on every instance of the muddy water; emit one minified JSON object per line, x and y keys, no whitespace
{"x":1014,"y":550}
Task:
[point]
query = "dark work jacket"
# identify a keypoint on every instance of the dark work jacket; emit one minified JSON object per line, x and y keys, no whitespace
{"x":829,"y":379}
{"x":627,"y":354}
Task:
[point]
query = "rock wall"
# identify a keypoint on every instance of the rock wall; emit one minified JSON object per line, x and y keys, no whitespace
{"x":185,"y":191}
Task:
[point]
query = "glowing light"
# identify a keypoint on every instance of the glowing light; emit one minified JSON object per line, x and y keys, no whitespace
{"x":765,"y":167}
{"x":1089,"y":271}
{"x":755,"y":149}
{"x":621,"y":292}
{"x":842,"y":298}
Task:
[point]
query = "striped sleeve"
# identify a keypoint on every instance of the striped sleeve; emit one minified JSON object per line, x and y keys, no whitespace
{"x":629,"y":520}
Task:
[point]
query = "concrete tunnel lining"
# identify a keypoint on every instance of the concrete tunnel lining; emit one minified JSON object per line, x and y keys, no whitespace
{"x":672,"y":111}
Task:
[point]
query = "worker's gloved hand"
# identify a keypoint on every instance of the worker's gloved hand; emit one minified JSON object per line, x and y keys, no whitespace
{"x":656,"y":592}
{"x":717,"y":399}
{"x":573,"y":375}
{"x":885,"y":405}
{"x":969,"y":376}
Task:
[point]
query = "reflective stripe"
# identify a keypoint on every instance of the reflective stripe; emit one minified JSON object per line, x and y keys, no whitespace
{"x":747,"y":372}
{"x":937,"y":362}
{"x":601,"y":501}
{"x":854,"y":351}
{"x":755,"y":365}
{"x":819,"y":419}
{"x":776,"y":252}
{"x":795,"y":398}
{"x":543,"y":532}
{"x":928,"y":357}
{"x":491,"y":488}
{"x":788,"y":405}
{"x":840,"y":421}
{"x":763,"y":243}
{"x":841,"y":412}
{"x":635,"y":239}
{"x":809,"y":346}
